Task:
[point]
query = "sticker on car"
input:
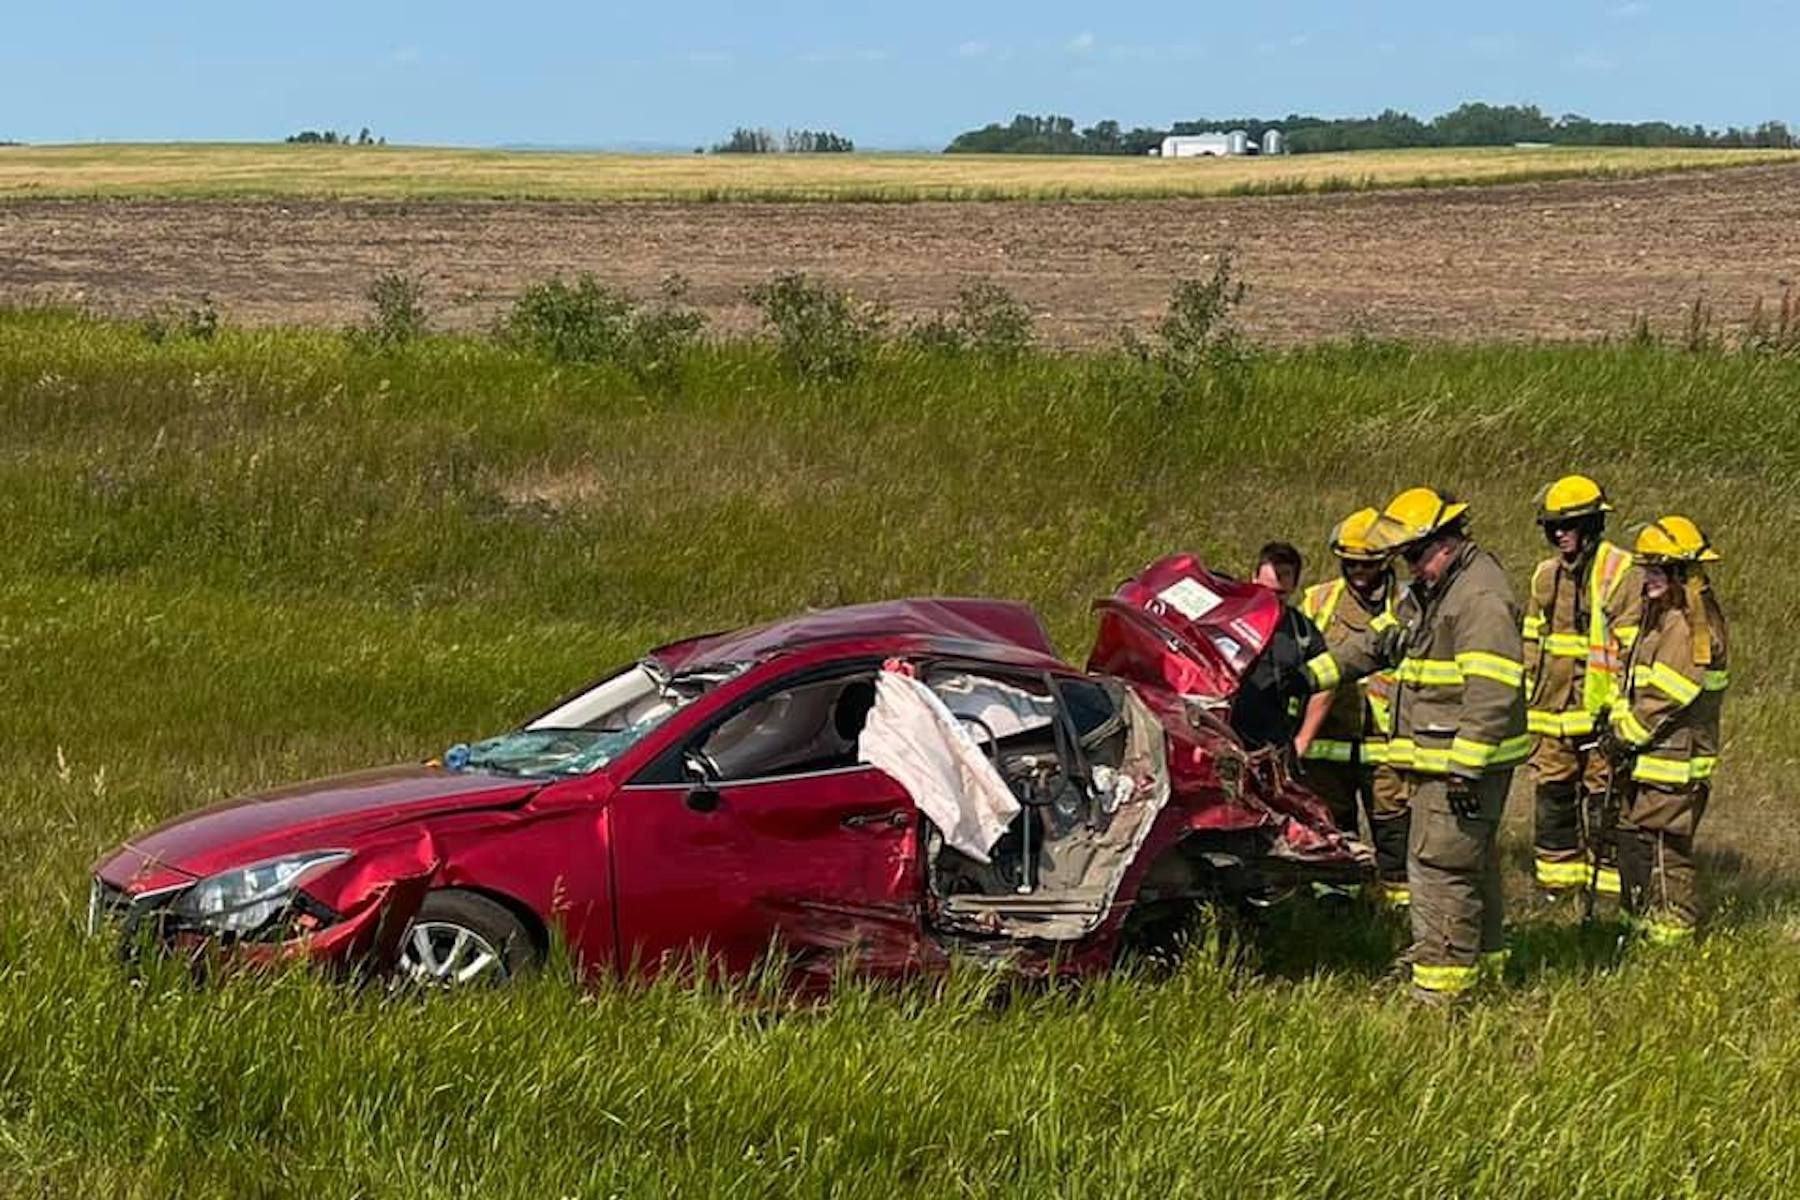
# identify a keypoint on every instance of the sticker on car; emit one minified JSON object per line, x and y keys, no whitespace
{"x":1190,"y":598}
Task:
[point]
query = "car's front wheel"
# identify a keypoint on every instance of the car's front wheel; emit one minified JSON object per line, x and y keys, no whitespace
{"x":461,"y":939}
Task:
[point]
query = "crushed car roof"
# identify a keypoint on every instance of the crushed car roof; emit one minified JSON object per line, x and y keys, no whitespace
{"x":1001,"y":629}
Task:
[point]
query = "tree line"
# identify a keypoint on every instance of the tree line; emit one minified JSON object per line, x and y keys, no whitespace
{"x":744,"y":140}
{"x":331,"y":137}
{"x":1473,"y":124}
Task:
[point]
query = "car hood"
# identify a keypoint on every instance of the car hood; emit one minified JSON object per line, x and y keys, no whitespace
{"x":305,"y":816}
{"x":1179,"y":626}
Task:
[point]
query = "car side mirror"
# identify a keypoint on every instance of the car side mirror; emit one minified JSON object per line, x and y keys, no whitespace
{"x":702,"y":796}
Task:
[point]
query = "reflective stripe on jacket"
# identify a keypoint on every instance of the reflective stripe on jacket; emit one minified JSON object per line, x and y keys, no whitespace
{"x":1459,"y":706}
{"x":1354,"y":730}
{"x":1579,"y":624}
{"x":1669,"y":708}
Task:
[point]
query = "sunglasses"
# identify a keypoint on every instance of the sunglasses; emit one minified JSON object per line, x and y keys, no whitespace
{"x":1557,"y":528}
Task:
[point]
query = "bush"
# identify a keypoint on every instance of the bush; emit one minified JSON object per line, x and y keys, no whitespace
{"x":588,"y":322}
{"x":988,"y":320}
{"x":197,"y":323}
{"x":821,"y":332}
{"x":398,"y":316}
{"x":1196,"y":343}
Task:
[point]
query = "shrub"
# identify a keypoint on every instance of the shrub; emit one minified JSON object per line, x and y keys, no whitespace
{"x":821,"y":332}
{"x":1196,"y":343}
{"x":197,"y":323}
{"x":398,"y":313}
{"x":988,"y":320}
{"x":588,"y":322}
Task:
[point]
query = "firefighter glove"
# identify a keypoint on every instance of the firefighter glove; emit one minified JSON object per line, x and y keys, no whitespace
{"x":1465,"y":801}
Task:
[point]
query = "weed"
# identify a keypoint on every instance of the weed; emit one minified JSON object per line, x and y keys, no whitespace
{"x":988,"y":320}
{"x":397,"y":313}
{"x":588,"y":322}
{"x":199,"y":322}
{"x":821,"y":332}
{"x":1196,"y":344}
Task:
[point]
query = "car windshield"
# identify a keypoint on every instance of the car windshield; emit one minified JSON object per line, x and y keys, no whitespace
{"x":590,"y":730}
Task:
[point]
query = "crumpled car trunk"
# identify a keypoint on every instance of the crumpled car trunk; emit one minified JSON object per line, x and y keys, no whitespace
{"x":1179,"y":626}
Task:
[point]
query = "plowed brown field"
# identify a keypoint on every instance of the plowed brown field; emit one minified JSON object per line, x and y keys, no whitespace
{"x":1569,"y":259}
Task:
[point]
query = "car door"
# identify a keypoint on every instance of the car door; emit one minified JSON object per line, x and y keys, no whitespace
{"x":761,"y":829}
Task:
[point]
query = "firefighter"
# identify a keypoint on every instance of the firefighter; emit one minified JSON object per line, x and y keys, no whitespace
{"x":1458,"y":733}
{"x":1346,"y":763}
{"x":1580,"y":619}
{"x":1664,"y":729}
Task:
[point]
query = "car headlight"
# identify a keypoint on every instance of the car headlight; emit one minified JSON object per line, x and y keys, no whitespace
{"x":244,"y":900}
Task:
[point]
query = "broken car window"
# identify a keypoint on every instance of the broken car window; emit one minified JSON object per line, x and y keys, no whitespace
{"x":588,"y":731}
{"x":809,"y":727}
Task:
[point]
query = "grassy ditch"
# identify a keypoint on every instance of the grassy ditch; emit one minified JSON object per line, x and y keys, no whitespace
{"x":246,"y":557}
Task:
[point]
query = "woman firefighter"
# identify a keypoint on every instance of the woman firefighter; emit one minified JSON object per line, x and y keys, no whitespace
{"x":1664,"y":728}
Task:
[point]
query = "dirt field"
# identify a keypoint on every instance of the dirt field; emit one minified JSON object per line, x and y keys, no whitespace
{"x":1569,"y":259}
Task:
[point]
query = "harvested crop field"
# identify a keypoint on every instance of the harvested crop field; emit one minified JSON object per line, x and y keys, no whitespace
{"x":1571,"y":259}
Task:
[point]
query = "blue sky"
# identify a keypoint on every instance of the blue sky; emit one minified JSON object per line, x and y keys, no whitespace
{"x":900,"y":75}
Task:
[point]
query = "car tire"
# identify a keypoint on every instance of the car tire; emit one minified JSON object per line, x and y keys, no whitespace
{"x":463,"y":939}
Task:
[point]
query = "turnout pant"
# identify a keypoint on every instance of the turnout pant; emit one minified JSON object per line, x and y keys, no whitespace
{"x":1453,"y":871}
{"x":1350,"y":791}
{"x":1660,"y":892}
{"x":1571,"y":792}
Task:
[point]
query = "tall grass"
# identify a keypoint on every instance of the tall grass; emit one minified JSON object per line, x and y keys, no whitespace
{"x":244,"y":559}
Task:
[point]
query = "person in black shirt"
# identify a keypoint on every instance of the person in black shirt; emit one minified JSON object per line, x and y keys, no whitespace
{"x":1285,"y":695}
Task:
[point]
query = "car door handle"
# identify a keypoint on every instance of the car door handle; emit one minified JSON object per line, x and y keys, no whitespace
{"x":893,"y":819}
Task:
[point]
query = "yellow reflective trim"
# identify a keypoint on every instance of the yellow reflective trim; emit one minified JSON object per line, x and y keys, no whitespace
{"x":1668,"y":681}
{"x":1627,"y":635}
{"x":1375,"y":753}
{"x":1557,"y":874}
{"x":1408,"y":754}
{"x":1607,"y":883}
{"x":1329,"y":750}
{"x":1429,"y":672}
{"x":1396,"y":895}
{"x":1320,"y":602}
{"x":1447,"y":979}
{"x":1468,"y":752}
{"x":1383,"y":620}
{"x":1717,"y":681}
{"x":1667,"y":933}
{"x":1479,"y":663}
{"x":1626,"y":724}
{"x":1559,"y":724}
{"x":1675,"y":772}
{"x":1532,"y":627}
{"x":1566,"y":645}
{"x":1324,"y":673}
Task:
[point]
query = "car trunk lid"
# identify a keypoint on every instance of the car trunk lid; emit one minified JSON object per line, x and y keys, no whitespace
{"x":1179,"y":626}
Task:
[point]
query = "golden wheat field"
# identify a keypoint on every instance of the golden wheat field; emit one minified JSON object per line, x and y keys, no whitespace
{"x":389,"y":172}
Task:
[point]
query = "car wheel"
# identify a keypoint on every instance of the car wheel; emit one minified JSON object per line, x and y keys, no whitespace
{"x":460,"y":939}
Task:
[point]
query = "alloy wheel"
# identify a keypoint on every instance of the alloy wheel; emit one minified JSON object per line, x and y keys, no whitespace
{"x":444,"y":954}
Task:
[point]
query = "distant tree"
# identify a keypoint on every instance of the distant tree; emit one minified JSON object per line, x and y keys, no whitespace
{"x":747,"y":141}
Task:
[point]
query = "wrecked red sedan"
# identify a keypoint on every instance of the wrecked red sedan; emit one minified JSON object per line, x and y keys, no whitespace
{"x":885,"y":785}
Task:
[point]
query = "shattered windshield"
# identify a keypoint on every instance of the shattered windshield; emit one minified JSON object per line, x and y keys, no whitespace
{"x":592,"y":729}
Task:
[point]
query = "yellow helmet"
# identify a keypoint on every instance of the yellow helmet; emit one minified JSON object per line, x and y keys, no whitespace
{"x":1570,"y":497}
{"x":1413,"y":516}
{"x":1673,"y":539}
{"x":1351,"y":538}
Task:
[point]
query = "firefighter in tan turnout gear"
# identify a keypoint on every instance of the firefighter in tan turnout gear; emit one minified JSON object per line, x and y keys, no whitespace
{"x":1664,"y":728}
{"x":1346,"y":764}
{"x":1581,"y":617}
{"x":1459,"y":731}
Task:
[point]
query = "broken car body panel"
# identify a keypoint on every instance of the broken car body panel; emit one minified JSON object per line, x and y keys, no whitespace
{"x":735,"y":818}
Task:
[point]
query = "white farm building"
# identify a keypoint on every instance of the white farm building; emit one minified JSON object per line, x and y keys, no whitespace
{"x":1219,"y":145}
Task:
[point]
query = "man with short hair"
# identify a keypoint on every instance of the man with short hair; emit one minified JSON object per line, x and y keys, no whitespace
{"x":1285,"y":695}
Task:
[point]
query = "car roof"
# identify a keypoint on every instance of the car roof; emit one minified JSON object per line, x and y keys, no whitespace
{"x":996,"y":630}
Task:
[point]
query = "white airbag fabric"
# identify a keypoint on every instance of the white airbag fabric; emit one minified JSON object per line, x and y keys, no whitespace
{"x":913,"y":737}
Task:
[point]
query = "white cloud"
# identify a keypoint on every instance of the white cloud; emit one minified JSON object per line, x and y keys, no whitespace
{"x":404,"y":56}
{"x":1082,"y":43}
{"x":706,"y":58}
{"x":1628,"y":11}
{"x":973,"y":50}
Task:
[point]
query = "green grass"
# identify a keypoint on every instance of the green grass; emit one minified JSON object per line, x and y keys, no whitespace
{"x":249,"y":170}
{"x":260,"y":558}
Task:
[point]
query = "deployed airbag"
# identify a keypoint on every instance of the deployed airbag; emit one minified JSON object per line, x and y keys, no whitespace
{"x":918,"y":741}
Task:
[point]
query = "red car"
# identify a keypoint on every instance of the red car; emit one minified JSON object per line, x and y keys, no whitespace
{"x":716,"y":798}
